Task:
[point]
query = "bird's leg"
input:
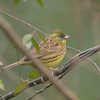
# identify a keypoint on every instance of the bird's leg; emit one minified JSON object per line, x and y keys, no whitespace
{"x":53,"y":70}
{"x":41,"y":77}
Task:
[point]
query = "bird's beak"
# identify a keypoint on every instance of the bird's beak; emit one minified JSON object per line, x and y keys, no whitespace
{"x":67,"y":36}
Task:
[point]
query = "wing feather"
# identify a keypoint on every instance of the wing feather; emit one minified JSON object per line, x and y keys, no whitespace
{"x":44,"y":49}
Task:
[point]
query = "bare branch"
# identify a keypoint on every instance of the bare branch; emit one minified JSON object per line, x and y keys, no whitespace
{"x":46,"y":87}
{"x":87,"y":58}
{"x":61,"y":70}
{"x":40,"y":91}
{"x":22,"y":22}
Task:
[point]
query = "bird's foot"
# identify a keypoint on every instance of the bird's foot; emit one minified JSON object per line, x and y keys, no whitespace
{"x":42,"y":80}
{"x":53,"y":70}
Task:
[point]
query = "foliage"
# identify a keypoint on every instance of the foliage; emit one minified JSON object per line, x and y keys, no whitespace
{"x":33,"y":74}
{"x":16,"y":2}
{"x":20,"y":87}
{"x":27,"y":40}
{"x":1,"y":85}
{"x":39,"y":1}
{"x":43,"y":39}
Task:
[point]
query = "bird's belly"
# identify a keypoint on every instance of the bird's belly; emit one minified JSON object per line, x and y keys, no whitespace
{"x":54,"y":62}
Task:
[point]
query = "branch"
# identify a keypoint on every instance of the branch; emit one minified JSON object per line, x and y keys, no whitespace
{"x":22,"y":22}
{"x":87,"y":58}
{"x":62,"y":89}
{"x":61,"y":70}
{"x":69,"y":65}
{"x":46,"y":87}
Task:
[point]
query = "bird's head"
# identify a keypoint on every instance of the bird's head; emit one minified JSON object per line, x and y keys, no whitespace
{"x":59,"y":35}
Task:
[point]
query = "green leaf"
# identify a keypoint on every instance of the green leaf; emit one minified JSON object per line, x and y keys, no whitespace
{"x":16,"y":1}
{"x":28,"y":45}
{"x":1,"y":85}
{"x":36,"y":45}
{"x":33,"y":74}
{"x":27,"y":40}
{"x":40,"y":2}
{"x":20,"y":87}
{"x":14,"y":46}
{"x":43,"y":39}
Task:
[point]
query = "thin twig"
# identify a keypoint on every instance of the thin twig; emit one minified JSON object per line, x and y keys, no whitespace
{"x":1,"y":98}
{"x":40,"y":91}
{"x":71,"y":63}
{"x":87,"y":58}
{"x":22,"y":22}
{"x":46,"y":87}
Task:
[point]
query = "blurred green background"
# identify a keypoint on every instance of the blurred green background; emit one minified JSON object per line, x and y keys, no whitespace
{"x":78,"y":18}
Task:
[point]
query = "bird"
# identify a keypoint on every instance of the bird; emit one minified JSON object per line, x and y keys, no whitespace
{"x":51,"y":54}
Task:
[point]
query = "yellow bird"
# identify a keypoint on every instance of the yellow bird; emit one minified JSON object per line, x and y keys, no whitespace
{"x":50,"y":55}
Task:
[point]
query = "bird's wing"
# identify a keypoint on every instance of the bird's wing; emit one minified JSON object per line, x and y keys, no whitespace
{"x":42,"y":53}
{"x":44,"y":50}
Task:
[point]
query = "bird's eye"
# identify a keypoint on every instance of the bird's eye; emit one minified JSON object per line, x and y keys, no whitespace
{"x":61,"y":35}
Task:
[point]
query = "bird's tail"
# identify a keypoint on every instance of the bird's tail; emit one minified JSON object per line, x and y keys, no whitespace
{"x":12,"y":65}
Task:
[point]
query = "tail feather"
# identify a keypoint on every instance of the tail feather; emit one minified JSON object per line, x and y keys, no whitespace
{"x":11,"y":65}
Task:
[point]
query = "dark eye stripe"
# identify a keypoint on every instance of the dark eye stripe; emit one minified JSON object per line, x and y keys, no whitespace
{"x":61,"y":35}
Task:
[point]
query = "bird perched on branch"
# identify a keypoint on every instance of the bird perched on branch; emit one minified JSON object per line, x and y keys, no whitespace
{"x":51,"y":54}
